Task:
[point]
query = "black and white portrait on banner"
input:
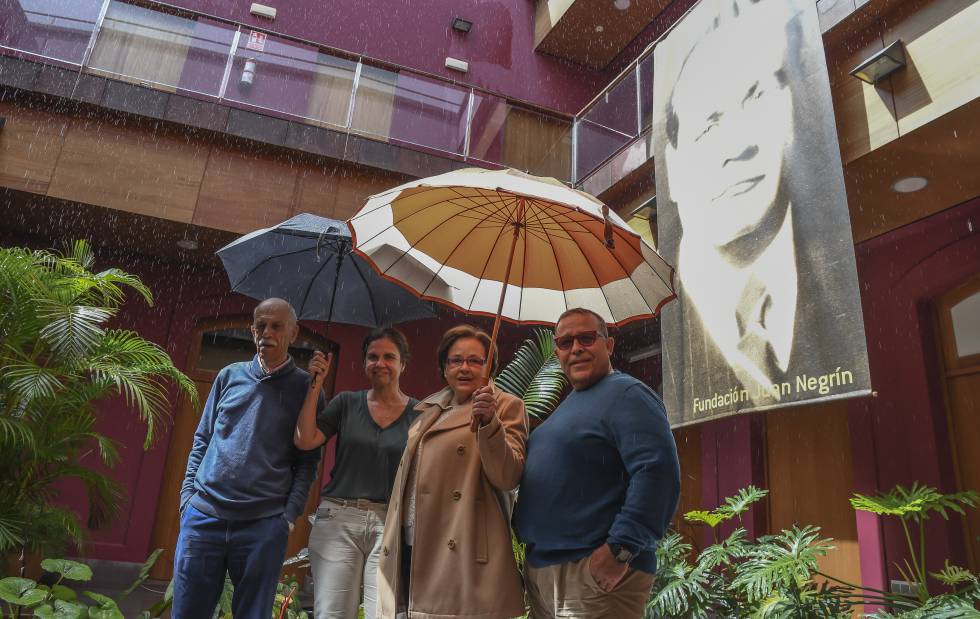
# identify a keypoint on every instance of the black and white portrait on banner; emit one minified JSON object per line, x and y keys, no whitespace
{"x":752,"y":212}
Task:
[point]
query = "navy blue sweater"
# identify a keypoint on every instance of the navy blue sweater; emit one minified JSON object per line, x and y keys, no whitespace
{"x":243,"y":464}
{"x":601,"y":469}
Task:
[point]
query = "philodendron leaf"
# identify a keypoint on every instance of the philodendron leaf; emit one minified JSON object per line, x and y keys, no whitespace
{"x":71,"y":570}
{"x":21,"y":591}
{"x":107,"y":608}
{"x":61,"y":610}
{"x":62,"y":592}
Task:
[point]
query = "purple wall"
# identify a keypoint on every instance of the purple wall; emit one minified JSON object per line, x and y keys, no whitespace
{"x":901,"y":435}
{"x":499,"y":48}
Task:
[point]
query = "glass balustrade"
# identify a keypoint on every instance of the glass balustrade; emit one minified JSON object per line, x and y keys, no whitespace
{"x":164,"y":48}
{"x":54,"y":31}
{"x":273,"y":74}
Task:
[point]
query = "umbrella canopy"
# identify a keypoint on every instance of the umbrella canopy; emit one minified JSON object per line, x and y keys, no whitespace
{"x":307,"y":260}
{"x":473,"y":229}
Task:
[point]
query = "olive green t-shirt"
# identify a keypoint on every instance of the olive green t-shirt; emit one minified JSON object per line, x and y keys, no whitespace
{"x":367,"y":456}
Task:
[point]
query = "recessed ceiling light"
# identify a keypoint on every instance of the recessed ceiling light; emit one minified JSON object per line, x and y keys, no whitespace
{"x":188,"y":244}
{"x":599,"y":28}
{"x":910,"y":184}
{"x":622,"y":5}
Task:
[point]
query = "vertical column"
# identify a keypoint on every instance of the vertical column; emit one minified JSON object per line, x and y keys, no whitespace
{"x":733,"y":457}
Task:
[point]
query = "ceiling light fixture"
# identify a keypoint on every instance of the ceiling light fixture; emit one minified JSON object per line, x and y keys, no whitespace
{"x":462,"y":25}
{"x":910,"y":184}
{"x":599,"y":28}
{"x":186,"y":243}
{"x":621,"y":5}
{"x":882,"y":64}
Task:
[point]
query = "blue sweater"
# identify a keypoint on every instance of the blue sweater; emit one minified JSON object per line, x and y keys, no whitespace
{"x":601,"y":469}
{"x":243,"y":464}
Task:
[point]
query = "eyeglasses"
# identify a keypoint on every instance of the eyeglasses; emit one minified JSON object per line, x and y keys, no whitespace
{"x":457,"y":362}
{"x":586,"y":339}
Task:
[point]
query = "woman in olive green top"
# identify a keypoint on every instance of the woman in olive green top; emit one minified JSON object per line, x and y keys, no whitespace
{"x":371,"y":428}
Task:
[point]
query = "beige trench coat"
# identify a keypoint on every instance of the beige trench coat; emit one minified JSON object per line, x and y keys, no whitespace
{"x":462,"y":559}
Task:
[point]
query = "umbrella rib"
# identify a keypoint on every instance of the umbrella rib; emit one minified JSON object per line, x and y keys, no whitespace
{"x":486,"y":264}
{"x":267,"y":259}
{"x":541,"y":228}
{"x":554,"y":251}
{"x":370,"y":296}
{"x":418,"y":212}
{"x":442,"y":265}
{"x":306,"y":295}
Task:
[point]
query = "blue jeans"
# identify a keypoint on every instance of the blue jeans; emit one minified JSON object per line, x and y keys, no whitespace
{"x":252,"y":552}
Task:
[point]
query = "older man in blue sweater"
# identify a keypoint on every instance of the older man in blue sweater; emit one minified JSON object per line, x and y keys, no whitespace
{"x":245,"y":483}
{"x":600,"y":485}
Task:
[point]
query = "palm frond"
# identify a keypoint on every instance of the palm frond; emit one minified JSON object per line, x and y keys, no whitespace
{"x":72,"y":330}
{"x":15,"y":434}
{"x":30,"y":381}
{"x":534,"y":375}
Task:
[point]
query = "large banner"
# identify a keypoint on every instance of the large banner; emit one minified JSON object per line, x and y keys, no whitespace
{"x":751,"y":210}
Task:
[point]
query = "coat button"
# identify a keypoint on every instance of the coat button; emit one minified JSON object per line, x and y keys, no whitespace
{"x":385,"y":551}
{"x":461,"y":450}
{"x":452,"y":544}
{"x":456,"y":495}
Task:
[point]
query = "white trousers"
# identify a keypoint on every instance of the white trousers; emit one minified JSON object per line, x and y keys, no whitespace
{"x":344,"y":546}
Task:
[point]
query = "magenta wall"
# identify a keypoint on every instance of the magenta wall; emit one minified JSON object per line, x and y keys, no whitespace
{"x":499,"y":48}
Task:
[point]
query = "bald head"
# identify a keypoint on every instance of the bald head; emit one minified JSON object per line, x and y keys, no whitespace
{"x":275,"y":304}
{"x":274,"y":328}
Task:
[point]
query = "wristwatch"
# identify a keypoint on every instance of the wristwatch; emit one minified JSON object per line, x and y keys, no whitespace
{"x":621,"y":553}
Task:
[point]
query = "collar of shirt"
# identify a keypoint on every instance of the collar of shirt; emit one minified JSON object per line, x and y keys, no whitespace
{"x":715,"y":287}
{"x":272,"y":371}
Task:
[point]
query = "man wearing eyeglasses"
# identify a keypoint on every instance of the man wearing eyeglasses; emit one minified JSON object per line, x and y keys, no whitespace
{"x":600,"y":485}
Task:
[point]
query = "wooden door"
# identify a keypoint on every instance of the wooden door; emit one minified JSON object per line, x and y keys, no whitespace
{"x":215,"y":344}
{"x":958,"y":315}
{"x":810,"y":478}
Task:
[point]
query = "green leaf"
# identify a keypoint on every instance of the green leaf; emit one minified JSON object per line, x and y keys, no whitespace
{"x":952,"y":575}
{"x":63,"y":593}
{"x":62,"y":610}
{"x":742,"y":501}
{"x":916,"y":502}
{"x":71,"y":570}
{"x":711,"y":519}
{"x":144,"y":572}
{"x":21,"y":591}
{"x":107,"y":609}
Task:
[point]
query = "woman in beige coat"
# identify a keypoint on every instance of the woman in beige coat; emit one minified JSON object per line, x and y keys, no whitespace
{"x":446,"y":550}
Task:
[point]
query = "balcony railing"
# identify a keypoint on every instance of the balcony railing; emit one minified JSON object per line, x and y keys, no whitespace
{"x":158,"y":46}
{"x":184,"y":52}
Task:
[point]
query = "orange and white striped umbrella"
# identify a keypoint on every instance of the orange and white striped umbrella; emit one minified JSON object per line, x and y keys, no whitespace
{"x":474,"y":229}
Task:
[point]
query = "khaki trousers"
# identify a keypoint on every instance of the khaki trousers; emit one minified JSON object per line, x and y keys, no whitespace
{"x":568,"y":590}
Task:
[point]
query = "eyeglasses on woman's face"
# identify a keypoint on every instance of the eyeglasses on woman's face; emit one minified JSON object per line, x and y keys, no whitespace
{"x":458,"y":362}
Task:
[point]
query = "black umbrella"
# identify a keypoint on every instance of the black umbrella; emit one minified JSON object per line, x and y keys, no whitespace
{"x":307,"y":260}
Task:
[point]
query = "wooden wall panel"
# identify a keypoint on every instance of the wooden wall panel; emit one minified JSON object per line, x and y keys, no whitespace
{"x":355,"y":185}
{"x":30,"y":144}
{"x":243,"y":191}
{"x":689,"y":452}
{"x":130,"y":168}
{"x":810,"y":479}
{"x":864,"y":113}
{"x":943,"y":52}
